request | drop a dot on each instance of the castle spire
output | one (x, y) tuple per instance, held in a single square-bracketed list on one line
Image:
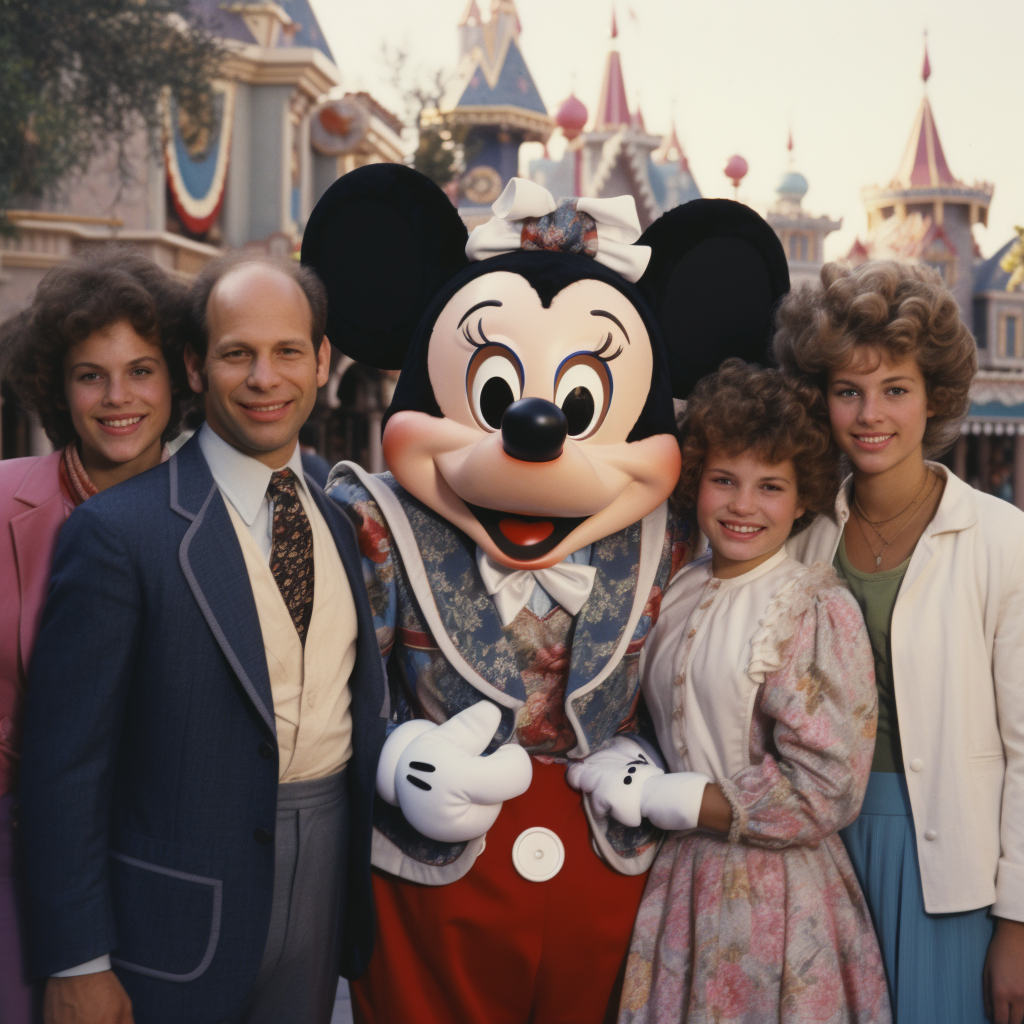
[(612, 106), (926, 67), (924, 161)]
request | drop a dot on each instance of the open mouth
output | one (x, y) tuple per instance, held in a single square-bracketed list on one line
[(524, 538)]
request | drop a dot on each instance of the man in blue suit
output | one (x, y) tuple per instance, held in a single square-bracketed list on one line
[(205, 710)]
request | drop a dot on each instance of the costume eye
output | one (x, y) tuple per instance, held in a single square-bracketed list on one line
[(583, 391), (493, 383)]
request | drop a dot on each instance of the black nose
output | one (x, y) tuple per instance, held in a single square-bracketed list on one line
[(533, 430)]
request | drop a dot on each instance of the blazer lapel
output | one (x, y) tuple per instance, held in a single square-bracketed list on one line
[(212, 562), (34, 535), (439, 559), (605, 615)]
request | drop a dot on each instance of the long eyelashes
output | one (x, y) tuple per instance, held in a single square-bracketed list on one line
[(469, 337), (599, 354)]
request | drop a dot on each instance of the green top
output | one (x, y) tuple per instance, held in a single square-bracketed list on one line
[(876, 594)]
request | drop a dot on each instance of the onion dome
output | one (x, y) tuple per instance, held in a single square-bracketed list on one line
[(736, 170), (792, 185), (571, 117)]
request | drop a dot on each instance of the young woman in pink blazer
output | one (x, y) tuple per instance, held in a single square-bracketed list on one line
[(96, 356)]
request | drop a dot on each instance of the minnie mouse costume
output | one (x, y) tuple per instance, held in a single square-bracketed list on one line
[(515, 558)]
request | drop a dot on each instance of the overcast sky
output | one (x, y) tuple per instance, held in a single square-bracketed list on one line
[(737, 75)]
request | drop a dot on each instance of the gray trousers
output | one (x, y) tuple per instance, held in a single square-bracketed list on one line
[(298, 978)]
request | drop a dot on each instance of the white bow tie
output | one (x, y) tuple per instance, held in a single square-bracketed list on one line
[(568, 583)]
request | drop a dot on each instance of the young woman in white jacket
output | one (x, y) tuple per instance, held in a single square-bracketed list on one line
[(938, 570)]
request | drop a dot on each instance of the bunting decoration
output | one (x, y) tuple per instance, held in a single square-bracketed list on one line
[(197, 173)]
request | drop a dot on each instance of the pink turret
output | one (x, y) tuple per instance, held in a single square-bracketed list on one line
[(571, 117), (612, 108)]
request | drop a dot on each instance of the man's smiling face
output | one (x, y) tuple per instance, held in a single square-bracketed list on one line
[(588, 355), (261, 372)]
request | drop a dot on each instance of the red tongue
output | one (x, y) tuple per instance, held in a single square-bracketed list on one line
[(523, 533)]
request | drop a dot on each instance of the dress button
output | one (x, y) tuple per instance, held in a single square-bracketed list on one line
[(262, 836), (538, 854), (266, 750), (931, 834), (916, 765)]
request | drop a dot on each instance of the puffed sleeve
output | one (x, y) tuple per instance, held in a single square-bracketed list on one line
[(1007, 658), (813, 733)]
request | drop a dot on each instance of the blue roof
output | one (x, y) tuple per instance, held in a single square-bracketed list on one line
[(662, 174), (309, 34), (656, 176), (989, 276), (792, 183), (514, 88), (226, 25)]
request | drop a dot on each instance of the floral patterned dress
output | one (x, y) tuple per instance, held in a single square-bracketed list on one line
[(764, 683)]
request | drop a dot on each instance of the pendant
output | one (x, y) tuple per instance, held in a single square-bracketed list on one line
[(878, 561)]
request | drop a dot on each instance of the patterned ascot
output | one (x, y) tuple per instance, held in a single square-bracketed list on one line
[(291, 557)]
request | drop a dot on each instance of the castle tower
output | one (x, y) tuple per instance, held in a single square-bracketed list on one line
[(673, 167), (617, 150), (801, 234), (495, 99), (925, 214)]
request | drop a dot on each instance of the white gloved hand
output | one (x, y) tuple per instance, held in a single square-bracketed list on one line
[(672, 802), (615, 777), (436, 775)]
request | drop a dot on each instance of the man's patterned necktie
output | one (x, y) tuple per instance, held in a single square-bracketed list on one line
[(291, 556)]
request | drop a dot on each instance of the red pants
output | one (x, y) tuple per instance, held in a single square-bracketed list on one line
[(493, 948)]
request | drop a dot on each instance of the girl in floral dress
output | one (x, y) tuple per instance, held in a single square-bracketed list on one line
[(759, 680)]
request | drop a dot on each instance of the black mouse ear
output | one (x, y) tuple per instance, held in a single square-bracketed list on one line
[(384, 239), (717, 270)]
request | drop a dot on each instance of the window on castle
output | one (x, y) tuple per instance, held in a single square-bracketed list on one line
[(1011, 336), (798, 247)]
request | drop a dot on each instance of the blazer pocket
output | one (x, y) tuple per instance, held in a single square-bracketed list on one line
[(168, 921)]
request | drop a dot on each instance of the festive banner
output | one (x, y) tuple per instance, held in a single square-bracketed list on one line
[(197, 171)]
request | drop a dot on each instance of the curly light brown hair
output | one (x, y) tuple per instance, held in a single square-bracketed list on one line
[(744, 407), (896, 309), (73, 301)]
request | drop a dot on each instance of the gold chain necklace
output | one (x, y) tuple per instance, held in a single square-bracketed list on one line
[(886, 543), (882, 522)]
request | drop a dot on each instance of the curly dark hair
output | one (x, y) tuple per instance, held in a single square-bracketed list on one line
[(73, 301), (744, 407), (898, 309)]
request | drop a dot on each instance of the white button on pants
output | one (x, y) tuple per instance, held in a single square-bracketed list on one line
[(538, 854), (931, 834), (916, 765)]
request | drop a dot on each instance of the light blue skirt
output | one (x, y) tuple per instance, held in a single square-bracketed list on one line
[(933, 961)]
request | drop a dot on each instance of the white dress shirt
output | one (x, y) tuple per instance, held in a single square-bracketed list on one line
[(243, 481)]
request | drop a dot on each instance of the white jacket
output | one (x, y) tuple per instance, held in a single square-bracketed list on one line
[(958, 674)]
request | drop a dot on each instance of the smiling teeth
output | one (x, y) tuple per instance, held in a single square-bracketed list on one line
[(121, 423), (268, 408), (743, 529), (874, 438)]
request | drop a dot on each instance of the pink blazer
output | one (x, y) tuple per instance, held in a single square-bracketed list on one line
[(33, 508)]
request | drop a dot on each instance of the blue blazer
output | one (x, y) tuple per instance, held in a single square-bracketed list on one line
[(149, 774)]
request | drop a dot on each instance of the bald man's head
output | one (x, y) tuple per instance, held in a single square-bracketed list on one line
[(265, 267)]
